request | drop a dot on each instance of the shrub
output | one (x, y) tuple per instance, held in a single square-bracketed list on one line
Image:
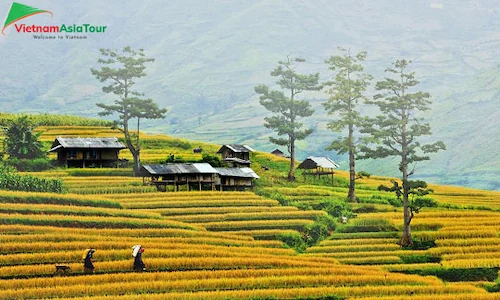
[(171, 158), (30, 165), (213, 160), (367, 225), (336, 209), (294, 241), (319, 230)]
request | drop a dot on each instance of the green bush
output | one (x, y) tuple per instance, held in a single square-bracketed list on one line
[(171, 158), (422, 245), (213, 160), (294, 241), (336, 209), (458, 274), (30, 165), (319, 230), (366, 225)]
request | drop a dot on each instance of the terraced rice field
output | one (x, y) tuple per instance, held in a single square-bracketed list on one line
[(213, 245)]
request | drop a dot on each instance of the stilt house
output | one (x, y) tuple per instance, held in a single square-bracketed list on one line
[(318, 166), (236, 155), (194, 176), (235, 178), (87, 152)]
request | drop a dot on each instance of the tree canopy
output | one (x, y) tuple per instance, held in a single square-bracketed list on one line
[(21, 140), (346, 90), (119, 72), (288, 110), (397, 130)]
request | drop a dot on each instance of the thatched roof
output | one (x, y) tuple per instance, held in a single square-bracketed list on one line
[(236, 148), (86, 143), (313, 162)]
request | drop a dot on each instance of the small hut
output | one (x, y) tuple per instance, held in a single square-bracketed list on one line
[(87, 152), (317, 166), (236, 155), (279, 153), (200, 175), (235, 178)]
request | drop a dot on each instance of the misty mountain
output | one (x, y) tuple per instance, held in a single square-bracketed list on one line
[(210, 54)]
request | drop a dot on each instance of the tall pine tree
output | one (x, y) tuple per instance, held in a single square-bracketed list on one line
[(346, 90), (120, 70), (397, 130), (288, 110)]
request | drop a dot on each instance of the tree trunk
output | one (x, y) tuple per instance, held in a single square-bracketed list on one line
[(137, 162), (291, 173), (352, 171), (406, 240)]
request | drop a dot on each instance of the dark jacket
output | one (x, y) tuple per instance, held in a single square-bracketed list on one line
[(87, 262), (138, 263)]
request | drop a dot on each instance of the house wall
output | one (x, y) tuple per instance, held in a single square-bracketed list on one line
[(227, 153)]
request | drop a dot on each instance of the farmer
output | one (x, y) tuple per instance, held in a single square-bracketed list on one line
[(139, 265), (88, 266)]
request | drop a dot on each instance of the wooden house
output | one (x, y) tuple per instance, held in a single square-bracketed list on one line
[(196, 175), (236, 155), (87, 152), (235, 178), (318, 166)]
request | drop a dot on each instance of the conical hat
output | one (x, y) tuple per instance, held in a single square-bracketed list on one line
[(135, 250)]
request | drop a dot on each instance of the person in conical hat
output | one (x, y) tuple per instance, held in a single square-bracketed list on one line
[(88, 266), (139, 265)]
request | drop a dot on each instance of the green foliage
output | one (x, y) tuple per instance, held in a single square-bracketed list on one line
[(30, 165), (213, 160), (366, 225), (417, 190), (20, 139), (121, 70), (171, 158), (336, 209), (288, 110), (457, 274), (396, 131), (419, 244), (365, 208), (363, 174), (10, 180), (319, 230), (293, 240), (346, 91)]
